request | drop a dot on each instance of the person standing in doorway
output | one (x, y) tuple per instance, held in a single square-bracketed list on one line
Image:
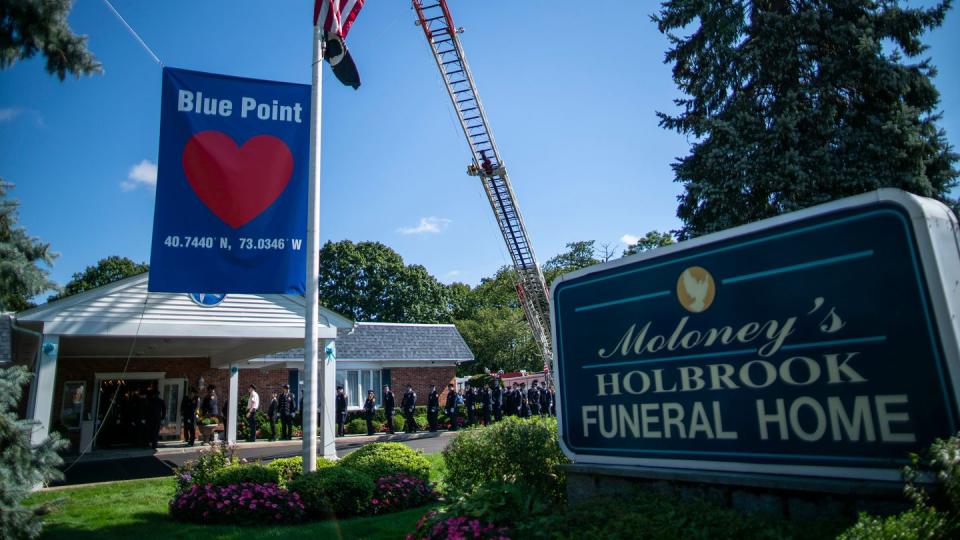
[(450, 406), (369, 409), (433, 407), (272, 410), (409, 404), (388, 405), (156, 415), (341, 410), (286, 407), (253, 405), (188, 413)]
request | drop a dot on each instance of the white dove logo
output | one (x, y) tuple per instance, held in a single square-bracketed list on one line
[(696, 289)]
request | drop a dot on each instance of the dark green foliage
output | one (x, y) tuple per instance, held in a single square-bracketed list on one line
[(254, 474), (915, 524), (793, 104), (503, 503), (31, 26), (22, 466), (22, 258), (368, 281), (578, 255), (499, 338), (524, 451), (106, 271), (651, 240), (377, 460), (356, 426), (333, 492)]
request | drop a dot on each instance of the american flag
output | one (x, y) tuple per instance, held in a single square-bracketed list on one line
[(336, 17)]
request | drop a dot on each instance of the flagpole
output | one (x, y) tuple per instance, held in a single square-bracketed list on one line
[(311, 318)]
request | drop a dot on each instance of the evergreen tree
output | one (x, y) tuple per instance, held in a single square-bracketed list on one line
[(793, 103), (21, 277), (22, 465), (31, 26)]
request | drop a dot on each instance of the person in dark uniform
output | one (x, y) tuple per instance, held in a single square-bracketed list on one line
[(450, 406), (524, 410), (188, 413), (544, 401), (409, 405), (533, 397), (483, 396), (496, 401), (341, 410), (388, 406), (272, 410), (433, 407), (517, 399), (369, 410), (140, 429), (286, 408), (468, 400), (553, 402), (156, 414)]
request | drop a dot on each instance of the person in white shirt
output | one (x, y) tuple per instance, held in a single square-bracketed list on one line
[(253, 403)]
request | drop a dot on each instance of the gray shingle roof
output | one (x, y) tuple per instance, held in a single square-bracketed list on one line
[(390, 341)]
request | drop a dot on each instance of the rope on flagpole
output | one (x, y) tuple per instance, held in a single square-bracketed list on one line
[(133, 32)]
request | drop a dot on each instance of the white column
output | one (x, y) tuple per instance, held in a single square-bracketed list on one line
[(328, 381), (311, 299), (45, 374), (232, 400)]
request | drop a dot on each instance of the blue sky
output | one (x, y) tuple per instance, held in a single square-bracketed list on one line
[(572, 106)]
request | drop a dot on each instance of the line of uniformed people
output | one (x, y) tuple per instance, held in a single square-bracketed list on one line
[(479, 405)]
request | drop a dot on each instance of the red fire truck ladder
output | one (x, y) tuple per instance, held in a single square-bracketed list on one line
[(437, 25)]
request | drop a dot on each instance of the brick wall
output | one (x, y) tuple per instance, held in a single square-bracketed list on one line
[(421, 378), (84, 369)]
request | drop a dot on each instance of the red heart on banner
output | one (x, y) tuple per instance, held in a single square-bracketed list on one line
[(237, 183)]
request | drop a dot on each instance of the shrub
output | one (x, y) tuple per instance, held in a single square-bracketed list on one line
[(333, 492), (241, 504), (399, 492), (914, 524), (516, 450), (356, 426), (377, 460), (457, 527), (925, 520), (253, 474), (289, 468), (203, 469), (422, 421)]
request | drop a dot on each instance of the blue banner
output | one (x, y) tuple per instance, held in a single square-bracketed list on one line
[(812, 342), (231, 206)]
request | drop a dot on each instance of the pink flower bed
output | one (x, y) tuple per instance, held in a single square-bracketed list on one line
[(245, 504), (457, 528), (399, 492)]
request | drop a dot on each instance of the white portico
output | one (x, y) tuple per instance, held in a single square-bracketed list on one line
[(87, 336)]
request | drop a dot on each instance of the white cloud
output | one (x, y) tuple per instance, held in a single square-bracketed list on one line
[(141, 174), (9, 113), (427, 225), (453, 274), (629, 239)]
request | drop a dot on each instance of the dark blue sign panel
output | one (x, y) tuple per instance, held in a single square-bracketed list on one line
[(813, 342), (231, 209)]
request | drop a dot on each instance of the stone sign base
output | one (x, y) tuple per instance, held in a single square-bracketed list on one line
[(796, 498)]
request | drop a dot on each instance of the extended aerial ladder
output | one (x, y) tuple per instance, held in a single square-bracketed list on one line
[(437, 24)]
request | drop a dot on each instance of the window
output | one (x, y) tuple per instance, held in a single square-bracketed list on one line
[(357, 381)]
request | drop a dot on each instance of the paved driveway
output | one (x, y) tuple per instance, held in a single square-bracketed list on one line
[(110, 465)]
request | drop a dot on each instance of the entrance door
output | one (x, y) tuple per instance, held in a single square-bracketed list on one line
[(171, 390)]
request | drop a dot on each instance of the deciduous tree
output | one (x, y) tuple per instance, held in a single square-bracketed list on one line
[(106, 271)]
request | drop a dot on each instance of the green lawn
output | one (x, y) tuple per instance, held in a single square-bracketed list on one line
[(138, 509)]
